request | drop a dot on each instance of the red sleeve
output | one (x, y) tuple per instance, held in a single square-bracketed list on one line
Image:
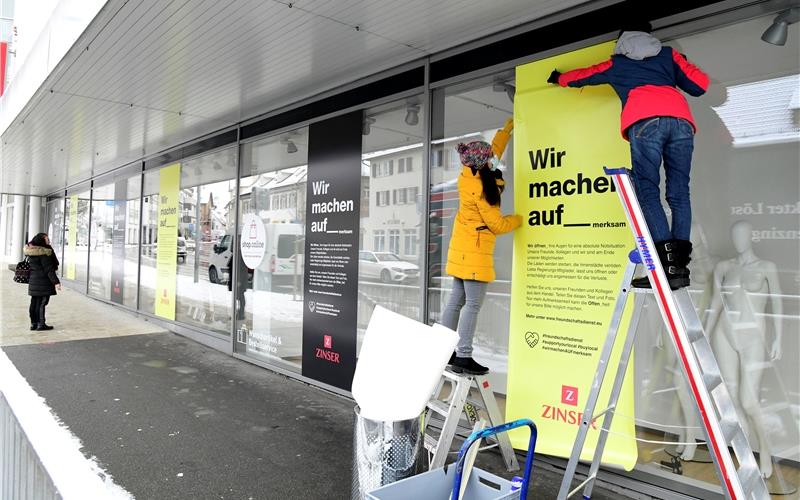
[(689, 77), (593, 75)]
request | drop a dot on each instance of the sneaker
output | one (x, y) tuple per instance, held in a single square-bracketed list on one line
[(452, 359), (43, 327), (468, 366)]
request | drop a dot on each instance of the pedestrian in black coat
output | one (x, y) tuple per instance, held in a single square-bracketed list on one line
[(43, 279)]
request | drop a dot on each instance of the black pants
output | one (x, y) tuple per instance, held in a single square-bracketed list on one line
[(37, 309)]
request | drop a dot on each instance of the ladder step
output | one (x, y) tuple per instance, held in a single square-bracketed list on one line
[(430, 443), (750, 478), (439, 407), (712, 380), (730, 428)]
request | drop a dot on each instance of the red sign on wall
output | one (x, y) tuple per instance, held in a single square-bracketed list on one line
[(3, 52)]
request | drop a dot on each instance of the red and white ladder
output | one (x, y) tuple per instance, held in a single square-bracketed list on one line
[(699, 365)]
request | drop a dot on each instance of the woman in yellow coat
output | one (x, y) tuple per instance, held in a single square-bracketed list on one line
[(470, 257)]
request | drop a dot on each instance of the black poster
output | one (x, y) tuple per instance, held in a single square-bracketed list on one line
[(333, 195), (118, 241)]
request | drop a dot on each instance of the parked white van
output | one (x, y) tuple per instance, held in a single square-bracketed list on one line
[(283, 256)]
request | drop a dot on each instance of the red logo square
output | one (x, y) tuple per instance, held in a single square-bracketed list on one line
[(569, 395), (327, 342)]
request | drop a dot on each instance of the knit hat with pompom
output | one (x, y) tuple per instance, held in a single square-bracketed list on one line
[(475, 154)]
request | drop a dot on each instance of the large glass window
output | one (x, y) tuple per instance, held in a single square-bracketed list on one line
[(114, 248), (76, 235), (54, 227), (269, 291), (745, 276), (469, 113), (206, 217), (392, 151)]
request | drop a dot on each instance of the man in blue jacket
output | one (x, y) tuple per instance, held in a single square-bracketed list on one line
[(657, 122)]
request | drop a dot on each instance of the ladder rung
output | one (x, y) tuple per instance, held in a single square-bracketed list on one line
[(750, 477), (730, 428), (439, 407), (430, 443), (712, 380)]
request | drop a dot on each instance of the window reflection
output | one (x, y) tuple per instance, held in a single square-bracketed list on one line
[(391, 211), (113, 260), (269, 289), (469, 114)]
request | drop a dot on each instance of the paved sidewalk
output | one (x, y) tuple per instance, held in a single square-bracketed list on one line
[(72, 315)]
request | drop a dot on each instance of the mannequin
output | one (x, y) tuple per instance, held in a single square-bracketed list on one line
[(746, 284)]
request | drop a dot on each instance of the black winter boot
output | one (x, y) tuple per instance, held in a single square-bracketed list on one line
[(469, 366), (674, 256)]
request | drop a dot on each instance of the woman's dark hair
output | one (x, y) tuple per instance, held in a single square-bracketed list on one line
[(39, 240), (490, 190)]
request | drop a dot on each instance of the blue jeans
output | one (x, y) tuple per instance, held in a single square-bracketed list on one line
[(462, 310), (670, 139)]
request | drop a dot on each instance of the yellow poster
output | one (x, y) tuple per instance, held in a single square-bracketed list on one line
[(72, 236), (569, 257), (167, 243)]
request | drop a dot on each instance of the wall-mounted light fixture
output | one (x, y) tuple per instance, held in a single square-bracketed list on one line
[(366, 127), (509, 89), (291, 147), (412, 114), (777, 32)]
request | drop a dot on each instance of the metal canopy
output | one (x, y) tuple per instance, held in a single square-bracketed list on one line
[(147, 75)]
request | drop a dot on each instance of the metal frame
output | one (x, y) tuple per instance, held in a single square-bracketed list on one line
[(233, 274), (426, 193)]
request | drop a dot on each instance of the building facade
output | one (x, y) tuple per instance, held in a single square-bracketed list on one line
[(103, 221)]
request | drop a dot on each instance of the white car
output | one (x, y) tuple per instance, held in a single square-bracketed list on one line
[(387, 267)]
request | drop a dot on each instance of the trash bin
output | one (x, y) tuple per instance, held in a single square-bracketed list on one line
[(384, 452)]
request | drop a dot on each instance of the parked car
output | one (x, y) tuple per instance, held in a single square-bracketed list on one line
[(387, 267), (181, 249), (218, 271)]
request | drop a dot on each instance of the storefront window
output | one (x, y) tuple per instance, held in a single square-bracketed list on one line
[(745, 286), (470, 113), (206, 209), (269, 291), (55, 227), (149, 237), (392, 159), (114, 248), (76, 236)]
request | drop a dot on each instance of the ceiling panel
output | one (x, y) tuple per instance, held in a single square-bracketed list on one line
[(158, 73)]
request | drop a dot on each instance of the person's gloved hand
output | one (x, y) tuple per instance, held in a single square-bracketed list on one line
[(553, 78)]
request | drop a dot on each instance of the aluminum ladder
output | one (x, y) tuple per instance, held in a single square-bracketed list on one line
[(696, 358), (456, 405)]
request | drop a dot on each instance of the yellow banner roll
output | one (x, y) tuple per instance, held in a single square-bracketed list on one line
[(569, 257)]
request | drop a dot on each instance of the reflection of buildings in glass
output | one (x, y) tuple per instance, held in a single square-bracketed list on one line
[(392, 222), (278, 196)]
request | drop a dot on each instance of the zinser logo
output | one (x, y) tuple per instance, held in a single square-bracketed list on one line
[(645, 253), (569, 395), (325, 351), (573, 417)]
